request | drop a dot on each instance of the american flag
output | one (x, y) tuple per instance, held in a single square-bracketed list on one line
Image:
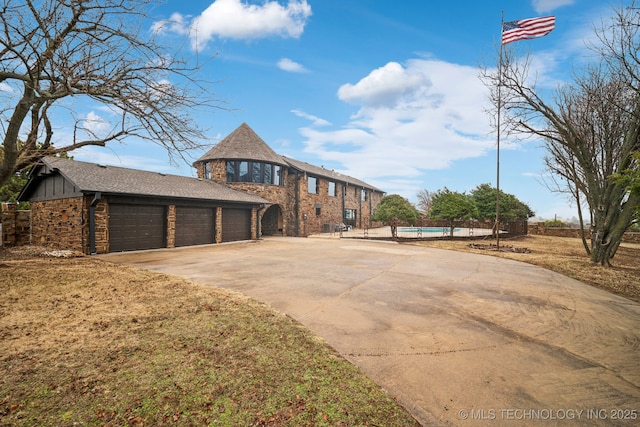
[(525, 29)]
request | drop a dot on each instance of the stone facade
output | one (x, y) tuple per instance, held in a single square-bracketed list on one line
[(59, 223), (171, 226), (16, 225), (304, 212), (101, 224)]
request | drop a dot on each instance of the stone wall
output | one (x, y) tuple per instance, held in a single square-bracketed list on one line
[(303, 220), (101, 231), (16, 225), (59, 224), (275, 194), (171, 226), (542, 230)]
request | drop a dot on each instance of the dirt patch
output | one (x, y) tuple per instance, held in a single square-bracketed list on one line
[(502, 248)]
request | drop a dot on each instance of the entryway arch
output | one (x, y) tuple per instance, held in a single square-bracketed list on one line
[(272, 223)]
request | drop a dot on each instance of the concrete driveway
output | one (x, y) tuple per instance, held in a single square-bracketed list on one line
[(458, 339)]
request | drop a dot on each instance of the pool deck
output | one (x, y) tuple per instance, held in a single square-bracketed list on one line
[(385, 233)]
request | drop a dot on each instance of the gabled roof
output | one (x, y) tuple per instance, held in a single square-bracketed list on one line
[(242, 144), (326, 173), (92, 177)]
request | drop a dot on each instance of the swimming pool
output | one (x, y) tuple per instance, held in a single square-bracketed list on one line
[(426, 229)]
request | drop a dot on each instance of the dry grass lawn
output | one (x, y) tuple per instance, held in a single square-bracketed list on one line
[(85, 342), (566, 256)]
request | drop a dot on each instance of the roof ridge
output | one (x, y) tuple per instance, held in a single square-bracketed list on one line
[(242, 144)]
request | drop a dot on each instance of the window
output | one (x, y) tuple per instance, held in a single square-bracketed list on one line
[(243, 172), (318, 211), (332, 189), (277, 175), (313, 184), (231, 171), (268, 173), (207, 170), (350, 214), (364, 195), (256, 172)]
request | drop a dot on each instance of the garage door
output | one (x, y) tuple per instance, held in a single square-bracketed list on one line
[(194, 226), (236, 224), (136, 227)]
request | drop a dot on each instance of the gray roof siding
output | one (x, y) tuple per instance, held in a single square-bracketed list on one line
[(243, 144), (326, 173), (91, 177)]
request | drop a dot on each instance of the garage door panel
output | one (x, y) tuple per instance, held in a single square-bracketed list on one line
[(194, 226), (236, 224), (136, 227)]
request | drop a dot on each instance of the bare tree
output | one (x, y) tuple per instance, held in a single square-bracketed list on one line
[(55, 53), (425, 200), (591, 129)]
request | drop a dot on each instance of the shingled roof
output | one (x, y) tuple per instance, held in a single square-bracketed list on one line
[(243, 144), (326, 173), (92, 177)]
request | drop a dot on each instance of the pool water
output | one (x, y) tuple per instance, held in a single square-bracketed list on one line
[(426, 229)]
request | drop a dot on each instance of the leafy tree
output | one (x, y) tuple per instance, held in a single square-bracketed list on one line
[(452, 206), (554, 223), (631, 179), (394, 210), (590, 128), (511, 208), (55, 55), (11, 189)]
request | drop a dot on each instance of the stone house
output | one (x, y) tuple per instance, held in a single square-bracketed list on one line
[(243, 190), (304, 199)]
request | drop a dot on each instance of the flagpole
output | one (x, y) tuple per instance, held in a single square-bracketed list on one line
[(498, 139)]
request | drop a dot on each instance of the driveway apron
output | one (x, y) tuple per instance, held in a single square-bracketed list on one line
[(456, 338)]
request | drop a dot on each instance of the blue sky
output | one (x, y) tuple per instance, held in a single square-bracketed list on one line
[(384, 91)]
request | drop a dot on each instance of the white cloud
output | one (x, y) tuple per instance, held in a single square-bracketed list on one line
[(237, 20), (421, 116), (95, 126), (177, 23), (316, 121), (384, 85), (542, 6), (287, 64)]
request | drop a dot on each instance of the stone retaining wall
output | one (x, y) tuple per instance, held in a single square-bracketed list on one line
[(542, 230)]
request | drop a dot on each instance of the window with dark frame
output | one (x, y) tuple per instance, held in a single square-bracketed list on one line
[(255, 172), (350, 214), (312, 182), (332, 189)]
